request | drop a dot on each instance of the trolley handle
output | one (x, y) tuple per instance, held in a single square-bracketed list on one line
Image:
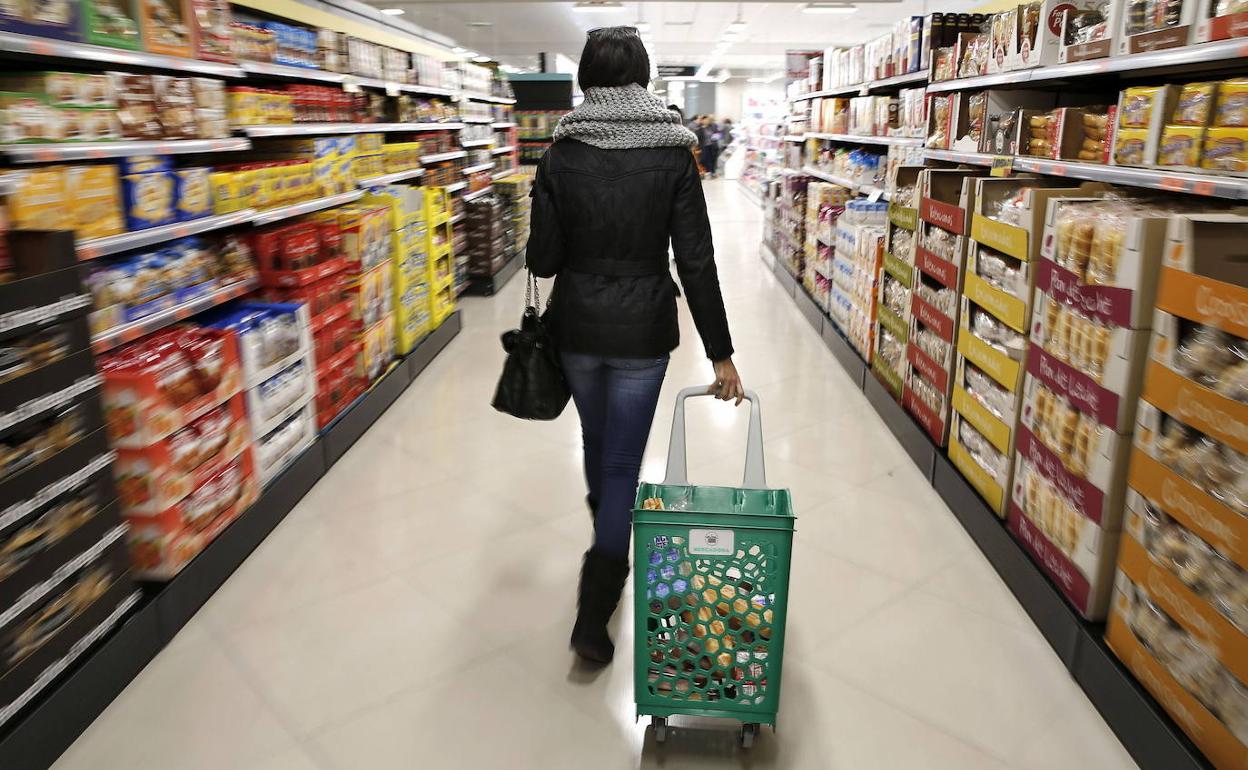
[(677, 464)]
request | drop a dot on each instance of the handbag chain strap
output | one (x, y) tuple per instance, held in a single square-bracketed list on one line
[(532, 292)]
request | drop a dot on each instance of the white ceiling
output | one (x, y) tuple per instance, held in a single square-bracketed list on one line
[(684, 32)]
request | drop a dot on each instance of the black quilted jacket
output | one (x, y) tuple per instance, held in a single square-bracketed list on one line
[(601, 223)]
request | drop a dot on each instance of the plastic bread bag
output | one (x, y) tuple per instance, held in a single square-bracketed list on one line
[(990, 330), (1227, 478), (983, 453), (1174, 439), (940, 242), (1011, 210), (1075, 230), (926, 392), (902, 243), (1191, 560), (942, 298), (977, 113), (1109, 234), (1002, 271), (891, 350), (931, 344), (974, 57), (1154, 525), (986, 391), (1231, 706), (896, 296), (940, 107), (1231, 592), (1204, 354)]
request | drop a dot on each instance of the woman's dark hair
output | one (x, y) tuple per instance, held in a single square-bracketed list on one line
[(678, 111), (613, 56)]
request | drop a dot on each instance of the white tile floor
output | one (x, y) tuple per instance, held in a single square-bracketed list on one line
[(413, 610)]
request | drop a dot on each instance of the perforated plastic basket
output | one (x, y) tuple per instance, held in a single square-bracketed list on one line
[(711, 579)]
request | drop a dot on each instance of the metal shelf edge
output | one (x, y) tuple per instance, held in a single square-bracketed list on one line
[(114, 244), (305, 207)]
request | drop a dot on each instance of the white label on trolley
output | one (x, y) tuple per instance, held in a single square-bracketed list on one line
[(712, 542)]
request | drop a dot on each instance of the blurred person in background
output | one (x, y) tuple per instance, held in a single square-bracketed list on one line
[(709, 138), (616, 187)]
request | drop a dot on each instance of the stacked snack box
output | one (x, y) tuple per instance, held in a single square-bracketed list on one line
[(408, 262), (366, 239), (825, 202), (1006, 228), (1179, 616), (441, 258), (944, 198), (303, 262), (275, 349), (1094, 292), (860, 234), (177, 420), (64, 570), (489, 233), (893, 307), (513, 190)]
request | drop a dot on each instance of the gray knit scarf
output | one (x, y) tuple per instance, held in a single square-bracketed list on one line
[(623, 118)]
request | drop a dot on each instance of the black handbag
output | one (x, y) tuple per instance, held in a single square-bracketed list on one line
[(532, 385)]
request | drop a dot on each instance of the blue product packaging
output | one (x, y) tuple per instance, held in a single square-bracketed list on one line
[(148, 200)]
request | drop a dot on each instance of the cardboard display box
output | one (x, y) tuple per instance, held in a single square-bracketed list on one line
[(1075, 552)]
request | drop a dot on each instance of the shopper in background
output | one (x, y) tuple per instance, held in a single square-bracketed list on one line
[(709, 138), (617, 185)]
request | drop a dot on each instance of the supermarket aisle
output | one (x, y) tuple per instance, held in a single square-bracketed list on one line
[(413, 611)]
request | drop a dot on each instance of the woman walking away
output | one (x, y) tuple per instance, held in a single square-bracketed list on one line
[(617, 185)]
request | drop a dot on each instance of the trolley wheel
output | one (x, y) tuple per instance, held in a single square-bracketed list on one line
[(748, 733), (660, 728)]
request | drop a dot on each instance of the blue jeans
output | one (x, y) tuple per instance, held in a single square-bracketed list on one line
[(615, 398)]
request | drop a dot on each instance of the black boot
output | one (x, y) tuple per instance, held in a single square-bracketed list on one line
[(602, 580)]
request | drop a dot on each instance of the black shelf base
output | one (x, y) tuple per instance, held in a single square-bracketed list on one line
[(489, 285), (1154, 741), (70, 705)]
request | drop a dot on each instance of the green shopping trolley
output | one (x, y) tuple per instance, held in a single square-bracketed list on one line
[(711, 574)]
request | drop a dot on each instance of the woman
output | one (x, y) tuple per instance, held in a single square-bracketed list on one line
[(617, 185)]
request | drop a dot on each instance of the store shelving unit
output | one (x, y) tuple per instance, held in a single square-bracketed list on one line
[(456, 187), (13, 45), (909, 79), (102, 671), (270, 216), (864, 189), (286, 72), (503, 150), (52, 153), (471, 196), (397, 176), (1211, 185), (132, 331), (475, 119), (503, 124), (322, 129), (504, 174), (900, 141), (477, 142), (1207, 57), (1151, 737), (115, 244), (437, 157), (477, 168)]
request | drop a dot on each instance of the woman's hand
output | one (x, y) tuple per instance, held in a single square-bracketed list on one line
[(727, 385)]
